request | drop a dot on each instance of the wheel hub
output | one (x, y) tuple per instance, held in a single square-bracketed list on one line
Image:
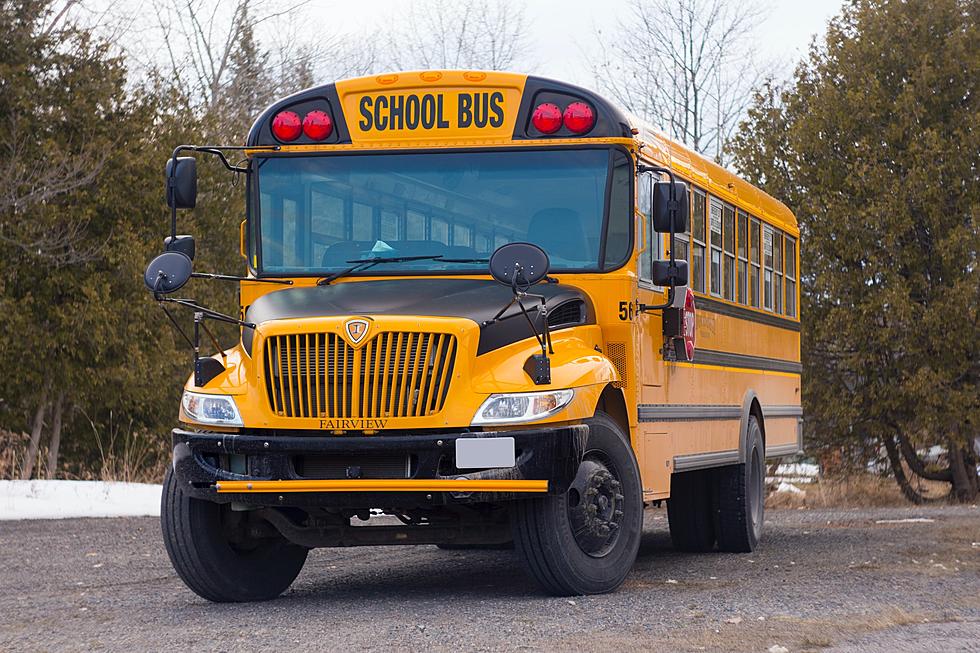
[(595, 507)]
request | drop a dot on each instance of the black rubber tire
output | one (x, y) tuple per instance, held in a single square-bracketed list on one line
[(209, 565), (690, 511), (543, 533), (741, 496)]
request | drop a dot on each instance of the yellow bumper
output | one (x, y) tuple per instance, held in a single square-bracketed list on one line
[(383, 485)]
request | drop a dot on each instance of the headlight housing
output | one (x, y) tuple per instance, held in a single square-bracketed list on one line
[(219, 410), (518, 407)]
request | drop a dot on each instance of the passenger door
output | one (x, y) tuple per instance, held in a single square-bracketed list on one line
[(650, 332)]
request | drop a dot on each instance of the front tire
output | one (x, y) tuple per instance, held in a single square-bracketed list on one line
[(216, 566), (741, 496), (585, 540)]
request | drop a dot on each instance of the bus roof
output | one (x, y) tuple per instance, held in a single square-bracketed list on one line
[(715, 179)]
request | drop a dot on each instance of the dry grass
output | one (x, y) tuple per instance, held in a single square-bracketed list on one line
[(123, 455), (12, 449), (796, 633), (851, 491)]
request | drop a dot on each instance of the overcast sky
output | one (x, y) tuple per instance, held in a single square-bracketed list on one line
[(563, 30)]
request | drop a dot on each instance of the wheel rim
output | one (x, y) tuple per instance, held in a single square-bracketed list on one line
[(595, 506), (755, 490)]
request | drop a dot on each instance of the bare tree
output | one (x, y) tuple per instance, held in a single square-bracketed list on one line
[(687, 65), (490, 34)]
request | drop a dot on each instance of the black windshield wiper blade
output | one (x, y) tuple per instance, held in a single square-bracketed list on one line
[(463, 260), (364, 264)]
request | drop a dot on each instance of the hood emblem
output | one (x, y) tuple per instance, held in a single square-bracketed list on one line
[(356, 330)]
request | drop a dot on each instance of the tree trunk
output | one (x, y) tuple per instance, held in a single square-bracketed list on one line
[(36, 425), (895, 459), (59, 407), (964, 478)]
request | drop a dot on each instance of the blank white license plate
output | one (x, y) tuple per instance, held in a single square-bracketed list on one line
[(472, 453)]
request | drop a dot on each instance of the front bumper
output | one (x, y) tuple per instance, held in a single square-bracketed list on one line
[(267, 474)]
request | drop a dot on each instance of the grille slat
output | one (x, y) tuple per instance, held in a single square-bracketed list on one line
[(395, 374)]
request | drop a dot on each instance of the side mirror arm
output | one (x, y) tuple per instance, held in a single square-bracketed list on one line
[(216, 150)]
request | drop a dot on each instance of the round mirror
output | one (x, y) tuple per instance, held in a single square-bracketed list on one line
[(168, 272), (519, 264)]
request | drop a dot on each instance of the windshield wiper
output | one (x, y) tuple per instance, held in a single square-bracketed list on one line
[(364, 264)]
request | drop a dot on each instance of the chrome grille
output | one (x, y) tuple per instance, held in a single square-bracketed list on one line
[(395, 374)]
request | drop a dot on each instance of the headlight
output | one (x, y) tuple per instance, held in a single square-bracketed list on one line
[(522, 406), (211, 409)]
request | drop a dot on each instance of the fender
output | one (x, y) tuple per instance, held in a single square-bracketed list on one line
[(743, 430)]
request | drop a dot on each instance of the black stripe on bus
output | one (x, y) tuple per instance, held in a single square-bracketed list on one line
[(706, 412), (721, 308), (728, 359)]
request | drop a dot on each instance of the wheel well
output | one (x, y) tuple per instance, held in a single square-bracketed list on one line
[(756, 410), (612, 403)]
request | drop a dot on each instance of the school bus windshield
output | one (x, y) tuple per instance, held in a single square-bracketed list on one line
[(318, 213)]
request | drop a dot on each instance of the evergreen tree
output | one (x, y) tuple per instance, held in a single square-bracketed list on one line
[(875, 145)]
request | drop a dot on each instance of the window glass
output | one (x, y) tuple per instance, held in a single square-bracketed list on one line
[(680, 248), (363, 226), (728, 270), (315, 213), (697, 267), (618, 241), (698, 242), (715, 224), (755, 270), (790, 277), (645, 225), (743, 222), (390, 226), (767, 259), (715, 212), (440, 231), (414, 226), (461, 235), (697, 216)]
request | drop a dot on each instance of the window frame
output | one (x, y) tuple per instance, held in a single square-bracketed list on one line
[(712, 248), (601, 266)]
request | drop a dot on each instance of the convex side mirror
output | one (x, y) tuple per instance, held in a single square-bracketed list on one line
[(167, 273), (519, 265), (182, 182), (661, 205)]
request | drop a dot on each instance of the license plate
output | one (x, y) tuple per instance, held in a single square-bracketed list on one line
[(475, 453)]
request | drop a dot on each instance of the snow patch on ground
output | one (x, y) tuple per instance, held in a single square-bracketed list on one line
[(64, 499), (790, 488)]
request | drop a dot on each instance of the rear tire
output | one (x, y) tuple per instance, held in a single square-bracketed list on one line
[(690, 512), (585, 540), (210, 564), (741, 496)]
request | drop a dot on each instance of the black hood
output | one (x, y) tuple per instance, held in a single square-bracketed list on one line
[(474, 299)]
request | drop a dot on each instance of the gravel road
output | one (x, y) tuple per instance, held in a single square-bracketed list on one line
[(837, 580)]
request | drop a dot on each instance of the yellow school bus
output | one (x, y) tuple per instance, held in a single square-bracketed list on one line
[(479, 309)]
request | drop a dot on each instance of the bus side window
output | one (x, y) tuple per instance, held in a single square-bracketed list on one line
[(790, 277), (743, 257), (777, 264), (755, 273), (767, 238), (647, 256), (414, 225), (698, 241), (728, 236), (716, 212)]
